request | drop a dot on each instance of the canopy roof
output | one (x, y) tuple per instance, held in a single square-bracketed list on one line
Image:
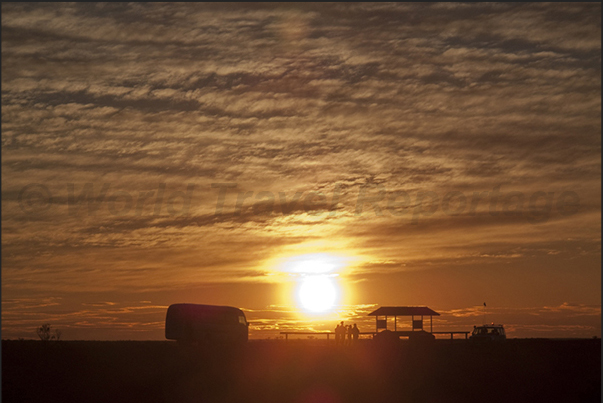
[(404, 311)]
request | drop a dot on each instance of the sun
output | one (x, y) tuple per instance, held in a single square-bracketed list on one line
[(317, 293), (316, 285)]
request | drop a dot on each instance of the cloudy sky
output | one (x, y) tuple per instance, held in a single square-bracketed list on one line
[(444, 155)]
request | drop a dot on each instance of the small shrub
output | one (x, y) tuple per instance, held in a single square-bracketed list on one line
[(45, 333)]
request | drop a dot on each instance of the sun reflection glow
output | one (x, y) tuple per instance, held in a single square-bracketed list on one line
[(316, 276), (317, 293), (316, 263)]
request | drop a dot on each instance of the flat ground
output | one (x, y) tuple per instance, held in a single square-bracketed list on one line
[(528, 370)]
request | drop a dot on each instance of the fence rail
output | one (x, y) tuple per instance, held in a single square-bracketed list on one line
[(318, 333), (328, 334), (452, 334)]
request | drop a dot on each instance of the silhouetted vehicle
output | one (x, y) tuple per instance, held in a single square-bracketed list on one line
[(207, 324), (388, 337), (421, 337), (488, 333)]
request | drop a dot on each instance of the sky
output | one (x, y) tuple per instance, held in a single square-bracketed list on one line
[(444, 155)]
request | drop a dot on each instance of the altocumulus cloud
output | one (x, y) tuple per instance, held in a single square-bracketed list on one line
[(324, 98)]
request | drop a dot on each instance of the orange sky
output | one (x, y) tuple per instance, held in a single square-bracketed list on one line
[(444, 155)]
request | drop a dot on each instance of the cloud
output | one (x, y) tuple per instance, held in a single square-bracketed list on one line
[(285, 99)]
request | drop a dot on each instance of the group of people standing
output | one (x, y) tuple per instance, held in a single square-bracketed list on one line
[(341, 331)]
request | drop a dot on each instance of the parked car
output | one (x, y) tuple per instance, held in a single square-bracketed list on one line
[(488, 333), (207, 324)]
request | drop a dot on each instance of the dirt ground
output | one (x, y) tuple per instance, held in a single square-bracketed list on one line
[(520, 370)]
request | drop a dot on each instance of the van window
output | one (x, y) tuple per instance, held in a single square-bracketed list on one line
[(242, 320)]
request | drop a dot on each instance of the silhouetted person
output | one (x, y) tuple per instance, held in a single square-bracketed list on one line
[(349, 332), (340, 334), (495, 332), (344, 331), (355, 333)]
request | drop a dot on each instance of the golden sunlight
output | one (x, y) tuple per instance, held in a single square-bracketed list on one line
[(317, 293), (316, 287)]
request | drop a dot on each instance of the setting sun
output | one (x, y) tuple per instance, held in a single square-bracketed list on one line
[(317, 293), (317, 286), (339, 201)]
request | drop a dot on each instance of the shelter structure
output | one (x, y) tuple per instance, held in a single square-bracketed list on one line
[(415, 312)]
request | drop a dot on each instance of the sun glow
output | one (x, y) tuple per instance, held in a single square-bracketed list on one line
[(317, 263), (317, 293), (316, 276)]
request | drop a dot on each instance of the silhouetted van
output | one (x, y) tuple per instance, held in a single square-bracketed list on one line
[(212, 324)]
